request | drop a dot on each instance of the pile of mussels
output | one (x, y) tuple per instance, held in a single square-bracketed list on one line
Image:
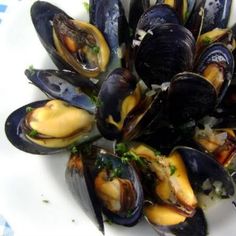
[(145, 99)]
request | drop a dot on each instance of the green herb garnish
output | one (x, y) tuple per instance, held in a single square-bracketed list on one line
[(74, 150), (172, 169), (207, 40), (96, 49), (157, 153), (33, 133), (29, 109), (31, 70), (86, 6), (116, 172), (109, 221), (129, 213), (121, 148)]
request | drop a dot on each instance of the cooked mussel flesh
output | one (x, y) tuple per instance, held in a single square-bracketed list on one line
[(171, 183), (81, 44), (49, 126), (72, 44), (113, 186)]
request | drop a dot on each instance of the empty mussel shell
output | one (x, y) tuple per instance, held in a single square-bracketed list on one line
[(65, 85)]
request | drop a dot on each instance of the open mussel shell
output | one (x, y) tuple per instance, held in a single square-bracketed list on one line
[(42, 14), (15, 133), (216, 14), (22, 133), (118, 95), (155, 15), (227, 107), (136, 9), (72, 44), (85, 177), (182, 8), (195, 20), (202, 167), (109, 17), (192, 226), (216, 64), (65, 85), (78, 178), (190, 97), (164, 51)]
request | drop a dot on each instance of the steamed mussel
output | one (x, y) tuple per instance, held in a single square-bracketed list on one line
[(48, 126), (112, 185), (138, 138), (72, 44)]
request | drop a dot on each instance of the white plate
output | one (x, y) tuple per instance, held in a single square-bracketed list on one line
[(26, 180)]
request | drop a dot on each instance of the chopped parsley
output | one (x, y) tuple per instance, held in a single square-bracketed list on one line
[(96, 49), (29, 109), (128, 156), (116, 172), (33, 133), (129, 213), (207, 40), (172, 169), (95, 100), (109, 221), (86, 6), (45, 201), (121, 148), (157, 153), (74, 150), (31, 70)]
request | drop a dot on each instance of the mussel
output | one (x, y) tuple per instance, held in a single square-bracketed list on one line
[(113, 186), (49, 126), (216, 64), (118, 96), (177, 212), (72, 44)]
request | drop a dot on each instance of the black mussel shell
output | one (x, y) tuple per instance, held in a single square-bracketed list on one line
[(109, 17), (146, 117), (216, 14), (195, 20), (182, 8), (190, 97), (155, 15), (192, 226), (42, 14), (119, 84), (165, 51), (136, 9), (67, 86), (201, 167), (15, 134), (79, 179), (219, 55)]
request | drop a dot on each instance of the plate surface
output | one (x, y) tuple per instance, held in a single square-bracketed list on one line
[(34, 197)]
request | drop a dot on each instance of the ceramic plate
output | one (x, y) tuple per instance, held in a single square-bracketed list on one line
[(34, 198)]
